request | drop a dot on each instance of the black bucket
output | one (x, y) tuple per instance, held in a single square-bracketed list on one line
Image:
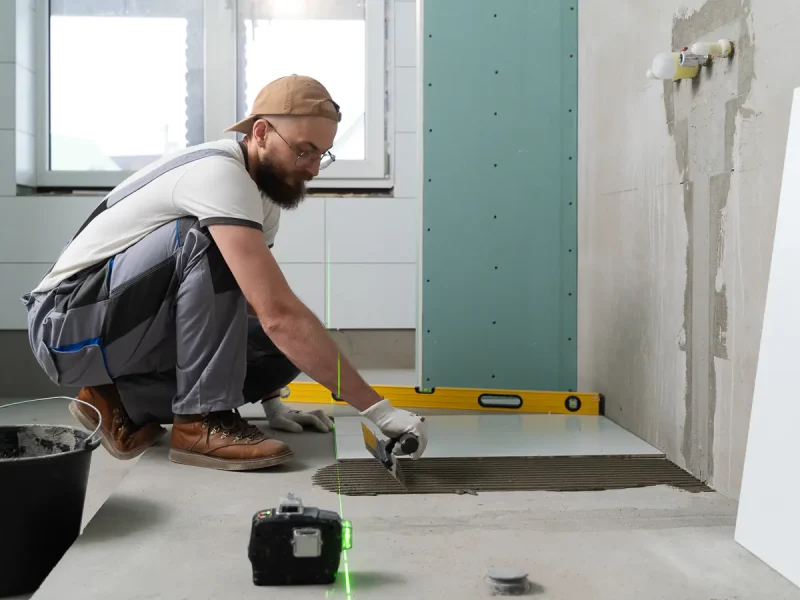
[(44, 470)]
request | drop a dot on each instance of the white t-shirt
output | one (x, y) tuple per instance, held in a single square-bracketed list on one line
[(215, 189)]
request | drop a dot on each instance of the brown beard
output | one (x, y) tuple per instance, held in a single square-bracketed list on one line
[(272, 181)]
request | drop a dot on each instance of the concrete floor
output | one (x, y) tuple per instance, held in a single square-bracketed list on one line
[(144, 518)]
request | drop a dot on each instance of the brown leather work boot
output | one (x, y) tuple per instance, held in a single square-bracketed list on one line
[(119, 435), (225, 441)]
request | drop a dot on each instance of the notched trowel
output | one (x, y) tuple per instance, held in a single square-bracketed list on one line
[(382, 450)]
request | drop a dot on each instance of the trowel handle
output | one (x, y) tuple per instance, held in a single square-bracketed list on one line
[(408, 443)]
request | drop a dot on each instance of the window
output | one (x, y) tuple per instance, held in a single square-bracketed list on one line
[(121, 83), (128, 81)]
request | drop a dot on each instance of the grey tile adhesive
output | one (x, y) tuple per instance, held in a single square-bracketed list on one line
[(504, 474)]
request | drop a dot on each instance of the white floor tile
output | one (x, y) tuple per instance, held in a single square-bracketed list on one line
[(492, 435)]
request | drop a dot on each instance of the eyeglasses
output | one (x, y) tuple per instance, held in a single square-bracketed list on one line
[(307, 158)]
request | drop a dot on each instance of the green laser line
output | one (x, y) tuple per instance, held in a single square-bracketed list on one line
[(344, 552), (338, 395), (341, 514)]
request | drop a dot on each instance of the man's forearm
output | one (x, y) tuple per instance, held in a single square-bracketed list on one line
[(305, 341)]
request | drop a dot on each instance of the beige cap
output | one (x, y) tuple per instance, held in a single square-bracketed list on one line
[(290, 95)]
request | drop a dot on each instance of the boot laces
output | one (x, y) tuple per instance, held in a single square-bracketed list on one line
[(231, 423), (124, 422)]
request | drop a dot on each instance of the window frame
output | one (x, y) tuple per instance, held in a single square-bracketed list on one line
[(220, 98)]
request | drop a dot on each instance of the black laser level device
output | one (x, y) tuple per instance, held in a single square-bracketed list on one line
[(297, 545)]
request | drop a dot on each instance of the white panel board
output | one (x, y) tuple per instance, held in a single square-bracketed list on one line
[(768, 523), (492, 435)]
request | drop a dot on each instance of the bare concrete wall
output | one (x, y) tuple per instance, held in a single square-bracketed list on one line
[(678, 193)]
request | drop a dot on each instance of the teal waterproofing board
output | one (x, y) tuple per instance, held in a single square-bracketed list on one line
[(499, 194)]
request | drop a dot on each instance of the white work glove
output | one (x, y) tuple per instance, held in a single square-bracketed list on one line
[(281, 417), (394, 422)]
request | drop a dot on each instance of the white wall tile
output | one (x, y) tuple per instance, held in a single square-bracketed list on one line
[(308, 283), (17, 279), (8, 30), (25, 43), (405, 34), (405, 99), (25, 100), (26, 159), (372, 230), (373, 296), (301, 236), (406, 181), (8, 162), (7, 95), (54, 219)]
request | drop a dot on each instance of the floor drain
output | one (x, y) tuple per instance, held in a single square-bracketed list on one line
[(507, 582)]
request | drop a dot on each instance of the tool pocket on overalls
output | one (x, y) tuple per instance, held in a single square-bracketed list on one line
[(82, 364)]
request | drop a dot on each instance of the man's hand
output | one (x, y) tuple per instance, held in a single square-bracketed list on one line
[(281, 417), (394, 422)]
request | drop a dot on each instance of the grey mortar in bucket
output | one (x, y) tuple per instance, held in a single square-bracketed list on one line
[(45, 471)]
